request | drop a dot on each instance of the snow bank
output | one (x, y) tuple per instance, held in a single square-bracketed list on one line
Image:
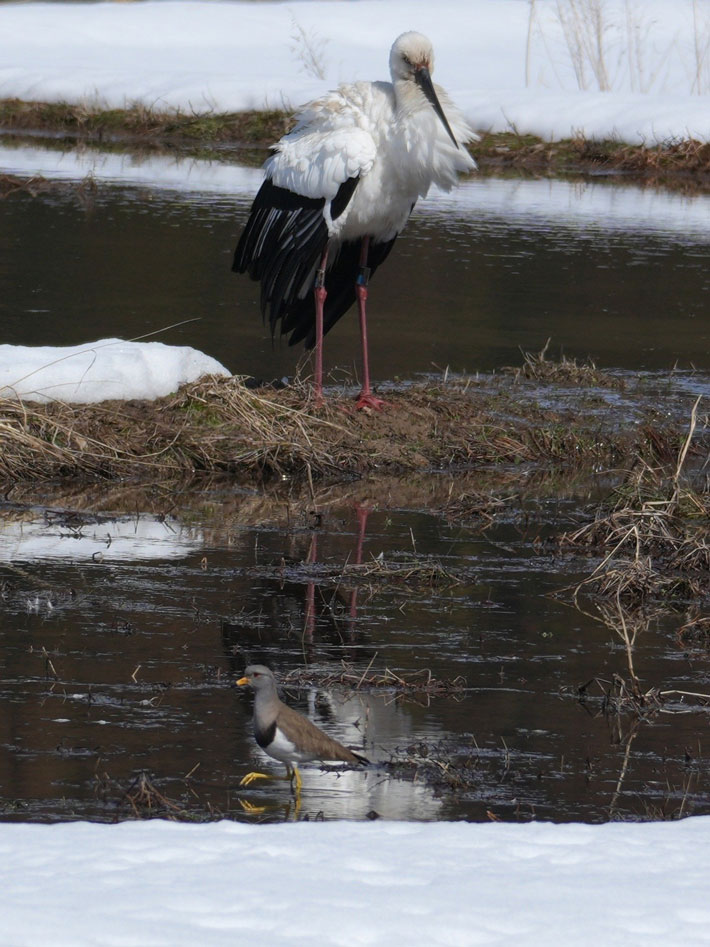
[(507, 63), (98, 371), (161, 884)]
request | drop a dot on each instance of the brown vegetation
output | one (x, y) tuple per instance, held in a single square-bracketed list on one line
[(655, 538), (679, 164), (567, 371), (219, 425), (417, 685)]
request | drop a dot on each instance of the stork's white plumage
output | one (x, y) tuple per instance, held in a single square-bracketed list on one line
[(338, 190)]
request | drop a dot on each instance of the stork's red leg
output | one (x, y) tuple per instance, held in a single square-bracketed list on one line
[(365, 399), (320, 293)]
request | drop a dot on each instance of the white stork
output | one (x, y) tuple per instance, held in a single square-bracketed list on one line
[(338, 190)]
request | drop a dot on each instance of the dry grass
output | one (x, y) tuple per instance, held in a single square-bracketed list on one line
[(683, 165), (406, 570), (213, 425), (414, 684), (688, 157), (624, 693), (655, 538), (655, 549), (13, 184), (141, 799), (420, 574), (695, 631), (478, 507), (221, 426), (142, 125), (565, 371)]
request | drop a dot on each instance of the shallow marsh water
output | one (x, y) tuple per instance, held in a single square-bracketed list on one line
[(122, 640), (612, 272), (121, 637)]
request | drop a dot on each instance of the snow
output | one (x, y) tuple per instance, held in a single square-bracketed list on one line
[(161, 884), (98, 371), (510, 64)]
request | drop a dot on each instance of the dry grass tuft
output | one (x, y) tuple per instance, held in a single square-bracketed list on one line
[(566, 371), (655, 539), (689, 156), (626, 694), (478, 507), (407, 570), (213, 425), (411, 685)]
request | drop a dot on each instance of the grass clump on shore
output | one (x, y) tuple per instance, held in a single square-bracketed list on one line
[(220, 426), (655, 539), (218, 135), (565, 371), (144, 124)]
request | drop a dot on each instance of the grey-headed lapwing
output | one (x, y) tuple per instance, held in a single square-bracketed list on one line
[(285, 734)]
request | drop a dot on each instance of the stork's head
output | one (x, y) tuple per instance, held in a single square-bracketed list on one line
[(412, 60), (409, 52)]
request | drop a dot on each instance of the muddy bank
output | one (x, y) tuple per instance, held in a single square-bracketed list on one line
[(244, 136), (222, 426)]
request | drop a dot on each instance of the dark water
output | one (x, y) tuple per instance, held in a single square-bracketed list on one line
[(121, 637), (121, 642), (498, 267)]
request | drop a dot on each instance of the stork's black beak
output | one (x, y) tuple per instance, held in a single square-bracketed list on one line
[(423, 79)]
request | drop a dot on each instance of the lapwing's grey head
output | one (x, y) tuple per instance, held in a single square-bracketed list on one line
[(258, 676), (412, 62)]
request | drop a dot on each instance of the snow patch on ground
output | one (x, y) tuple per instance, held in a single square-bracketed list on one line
[(161, 884), (99, 371), (509, 64)]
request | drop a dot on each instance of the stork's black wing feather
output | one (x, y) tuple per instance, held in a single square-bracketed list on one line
[(282, 244)]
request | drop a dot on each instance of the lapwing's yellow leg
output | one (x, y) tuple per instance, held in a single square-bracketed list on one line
[(252, 777), (294, 776), (252, 810)]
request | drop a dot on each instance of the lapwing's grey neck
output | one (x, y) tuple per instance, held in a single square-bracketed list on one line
[(266, 702)]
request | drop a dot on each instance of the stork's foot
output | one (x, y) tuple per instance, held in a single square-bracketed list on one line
[(252, 777), (317, 399), (366, 401)]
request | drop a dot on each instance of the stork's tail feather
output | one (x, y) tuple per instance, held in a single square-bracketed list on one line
[(281, 246)]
